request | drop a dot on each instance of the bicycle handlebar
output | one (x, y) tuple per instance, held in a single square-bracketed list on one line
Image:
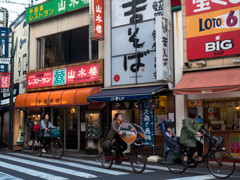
[(204, 131)]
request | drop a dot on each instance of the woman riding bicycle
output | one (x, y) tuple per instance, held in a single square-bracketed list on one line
[(45, 125), (114, 135), (187, 137)]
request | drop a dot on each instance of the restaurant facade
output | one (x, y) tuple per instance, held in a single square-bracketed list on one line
[(65, 66)]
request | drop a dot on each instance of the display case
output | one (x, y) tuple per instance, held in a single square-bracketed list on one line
[(92, 124)]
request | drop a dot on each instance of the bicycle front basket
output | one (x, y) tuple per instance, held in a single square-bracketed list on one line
[(56, 133), (217, 142)]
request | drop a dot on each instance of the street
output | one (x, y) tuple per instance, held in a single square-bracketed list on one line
[(17, 166)]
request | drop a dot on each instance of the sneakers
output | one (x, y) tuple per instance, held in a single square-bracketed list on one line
[(43, 150)]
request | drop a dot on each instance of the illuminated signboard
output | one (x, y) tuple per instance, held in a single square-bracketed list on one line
[(53, 8), (97, 19), (212, 28), (74, 75)]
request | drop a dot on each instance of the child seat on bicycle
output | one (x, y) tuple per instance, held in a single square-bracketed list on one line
[(170, 139)]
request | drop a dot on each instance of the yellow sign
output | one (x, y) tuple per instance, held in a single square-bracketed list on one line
[(194, 103), (212, 23)]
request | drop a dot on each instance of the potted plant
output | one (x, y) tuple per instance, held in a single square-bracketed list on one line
[(91, 150)]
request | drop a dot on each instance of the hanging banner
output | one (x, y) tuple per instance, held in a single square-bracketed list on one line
[(96, 19), (5, 80), (162, 46), (146, 121)]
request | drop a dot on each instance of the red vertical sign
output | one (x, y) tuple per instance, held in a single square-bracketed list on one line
[(5, 80), (98, 19)]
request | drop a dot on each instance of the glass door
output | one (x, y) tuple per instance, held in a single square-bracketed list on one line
[(72, 132)]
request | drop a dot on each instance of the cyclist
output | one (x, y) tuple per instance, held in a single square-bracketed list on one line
[(187, 138), (115, 135), (45, 125)]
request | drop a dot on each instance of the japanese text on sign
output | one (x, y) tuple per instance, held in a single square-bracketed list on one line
[(5, 80), (134, 40), (146, 121), (53, 8), (70, 75)]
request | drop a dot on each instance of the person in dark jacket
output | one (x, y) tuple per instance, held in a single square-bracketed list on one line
[(188, 135), (115, 135)]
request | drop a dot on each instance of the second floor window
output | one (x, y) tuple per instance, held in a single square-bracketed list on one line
[(65, 48)]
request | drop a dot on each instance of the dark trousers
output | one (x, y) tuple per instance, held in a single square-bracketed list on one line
[(198, 148), (46, 143), (120, 146)]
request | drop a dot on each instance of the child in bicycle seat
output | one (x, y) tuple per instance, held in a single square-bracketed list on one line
[(36, 128), (170, 133)]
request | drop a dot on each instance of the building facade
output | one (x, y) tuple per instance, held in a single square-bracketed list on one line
[(65, 66), (211, 69), (138, 66)]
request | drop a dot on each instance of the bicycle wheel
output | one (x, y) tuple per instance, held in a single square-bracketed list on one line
[(106, 163), (138, 162), (221, 164), (57, 149), (174, 163), (37, 148)]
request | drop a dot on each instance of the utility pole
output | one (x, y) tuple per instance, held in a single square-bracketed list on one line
[(11, 95)]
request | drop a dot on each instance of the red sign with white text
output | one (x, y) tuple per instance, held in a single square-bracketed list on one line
[(83, 74), (213, 45), (39, 79), (5, 80), (213, 28), (194, 7), (98, 19), (74, 75)]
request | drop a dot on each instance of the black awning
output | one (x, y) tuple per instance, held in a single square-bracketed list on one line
[(125, 94)]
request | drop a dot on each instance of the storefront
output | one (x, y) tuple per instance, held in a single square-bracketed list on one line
[(145, 106), (216, 94), (64, 97)]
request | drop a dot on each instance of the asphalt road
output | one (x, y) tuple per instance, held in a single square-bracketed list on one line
[(18, 166)]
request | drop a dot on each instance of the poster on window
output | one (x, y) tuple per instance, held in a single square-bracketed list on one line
[(235, 144), (146, 121), (212, 28)]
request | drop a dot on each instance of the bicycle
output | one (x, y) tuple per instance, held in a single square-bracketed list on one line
[(55, 145), (138, 161), (219, 162)]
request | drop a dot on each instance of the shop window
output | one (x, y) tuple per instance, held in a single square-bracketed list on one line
[(66, 48)]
